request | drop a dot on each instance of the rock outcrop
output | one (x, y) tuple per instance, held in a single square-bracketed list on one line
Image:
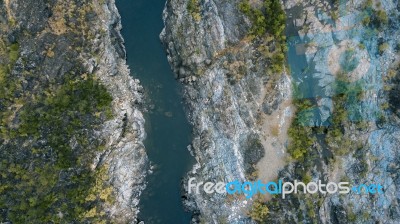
[(241, 112), (125, 133), (230, 93), (358, 39), (71, 115)]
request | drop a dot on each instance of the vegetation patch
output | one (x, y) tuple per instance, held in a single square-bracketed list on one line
[(300, 133), (52, 180), (194, 9), (372, 17), (259, 211), (269, 23), (47, 148), (392, 89)]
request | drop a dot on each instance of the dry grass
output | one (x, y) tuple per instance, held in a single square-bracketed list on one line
[(275, 130), (57, 21), (9, 13)]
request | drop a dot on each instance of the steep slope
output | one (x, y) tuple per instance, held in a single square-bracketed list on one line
[(352, 55), (335, 124), (231, 91), (71, 126)]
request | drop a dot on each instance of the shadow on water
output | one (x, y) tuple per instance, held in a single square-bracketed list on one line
[(168, 131)]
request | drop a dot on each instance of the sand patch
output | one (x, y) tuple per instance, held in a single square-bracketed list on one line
[(274, 139)]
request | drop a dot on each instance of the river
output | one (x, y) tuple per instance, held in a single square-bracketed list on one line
[(168, 131)]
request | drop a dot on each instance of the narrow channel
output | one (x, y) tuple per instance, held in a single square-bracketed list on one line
[(168, 131)]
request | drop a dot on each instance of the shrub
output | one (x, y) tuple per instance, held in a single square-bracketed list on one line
[(300, 134), (367, 4), (259, 212), (245, 7), (382, 17), (335, 15), (13, 52), (272, 21), (35, 173), (383, 47), (194, 9), (373, 17), (366, 20)]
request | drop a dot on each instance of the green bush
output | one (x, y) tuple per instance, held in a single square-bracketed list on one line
[(374, 18), (383, 47), (53, 178), (276, 17), (13, 53), (194, 9), (245, 7), (8, 85), (3, 73), (382, 17), (300, 134), (259, 212), (367, 4), (271, 22)]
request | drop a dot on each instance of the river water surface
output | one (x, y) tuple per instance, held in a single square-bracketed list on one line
[(168, 131)]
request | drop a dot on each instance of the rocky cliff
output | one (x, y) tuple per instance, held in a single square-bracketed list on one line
[(333, 119), (71, 125), (352, 45), (231, 93)]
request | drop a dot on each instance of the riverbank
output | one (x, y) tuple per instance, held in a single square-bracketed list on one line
[(231, 95), (167, 128), (72, 148)]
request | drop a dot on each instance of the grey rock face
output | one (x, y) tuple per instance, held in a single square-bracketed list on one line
[(124, 134), (230, 97), (376, 161), (227, 91)]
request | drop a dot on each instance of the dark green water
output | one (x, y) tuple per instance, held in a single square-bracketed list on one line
[(168, 131)]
